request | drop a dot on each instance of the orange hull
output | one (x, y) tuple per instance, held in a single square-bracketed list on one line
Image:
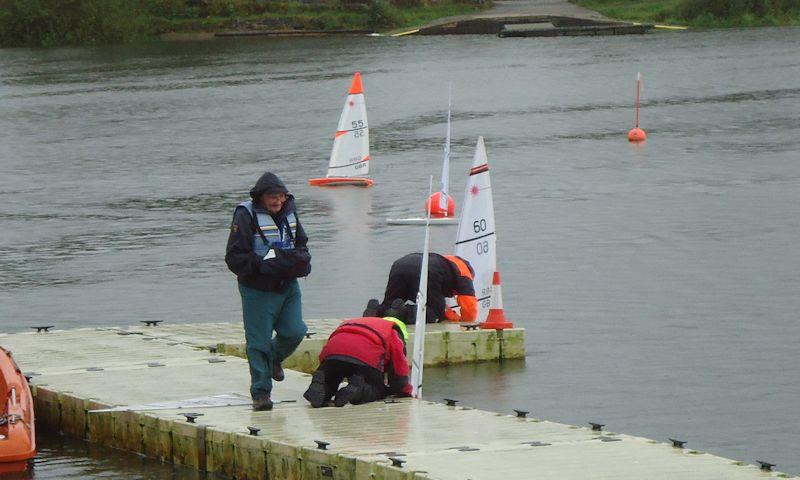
[(17, 432), (341, 181)]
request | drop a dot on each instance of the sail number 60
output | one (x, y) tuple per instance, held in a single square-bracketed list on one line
[(479, 225), (482, 247)]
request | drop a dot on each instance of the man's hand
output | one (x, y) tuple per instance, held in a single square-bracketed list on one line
[(451, 316)]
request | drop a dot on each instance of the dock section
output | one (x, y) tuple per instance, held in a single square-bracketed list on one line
[(78, 371), (445, 343)]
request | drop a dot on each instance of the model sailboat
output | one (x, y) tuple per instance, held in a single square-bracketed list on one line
[(476, 241), (349, 162), (440, 205)]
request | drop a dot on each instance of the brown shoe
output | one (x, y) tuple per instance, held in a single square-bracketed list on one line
[(277, 372), (261, 404)]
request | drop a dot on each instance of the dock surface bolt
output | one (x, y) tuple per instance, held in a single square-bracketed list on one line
[(322, 445), (677, 443), (191, 417), (766, 466)]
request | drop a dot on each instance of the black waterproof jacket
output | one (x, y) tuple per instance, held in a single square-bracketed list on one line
[(444, 280), (251, 269)]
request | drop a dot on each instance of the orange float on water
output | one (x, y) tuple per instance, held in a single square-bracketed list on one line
[(637, 134), (434, 205), (17, 432)]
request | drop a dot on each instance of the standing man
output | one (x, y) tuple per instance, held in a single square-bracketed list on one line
[(448, 276), (267, 252)]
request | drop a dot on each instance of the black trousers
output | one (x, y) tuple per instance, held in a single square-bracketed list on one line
[(405, 287), (337, 370)]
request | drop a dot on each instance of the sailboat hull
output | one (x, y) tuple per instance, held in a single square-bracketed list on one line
[(421, 221), (341, 182)]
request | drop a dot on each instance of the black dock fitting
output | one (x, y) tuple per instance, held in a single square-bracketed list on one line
[(537, 444), (95, 369), (253, 431), (308, 334), (597, 426), (677, 443), (212, 349), (471, 326), (322, 445), (766, 466), (191, 417), (397, 462), (156, 364), (151, 323), (521, 413), (43, 328), (451, 402)]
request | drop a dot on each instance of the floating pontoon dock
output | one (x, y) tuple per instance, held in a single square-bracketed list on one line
[(76, 371)]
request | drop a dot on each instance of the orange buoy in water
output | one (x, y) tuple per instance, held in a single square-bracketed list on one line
[(637, 134), (434, 205)]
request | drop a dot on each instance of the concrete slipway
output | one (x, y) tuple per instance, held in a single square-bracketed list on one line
[(80, 370)]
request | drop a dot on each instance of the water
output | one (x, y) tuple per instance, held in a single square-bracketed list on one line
[(658, 284)]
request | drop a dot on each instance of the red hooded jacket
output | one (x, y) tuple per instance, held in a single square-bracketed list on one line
[(374, 342)]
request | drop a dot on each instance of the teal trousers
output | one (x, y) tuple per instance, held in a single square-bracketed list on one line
[(265, 312)]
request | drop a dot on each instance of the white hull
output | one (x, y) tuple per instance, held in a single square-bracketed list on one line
[(421, 221)]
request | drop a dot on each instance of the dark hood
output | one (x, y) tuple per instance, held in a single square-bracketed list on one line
[(268, 183)]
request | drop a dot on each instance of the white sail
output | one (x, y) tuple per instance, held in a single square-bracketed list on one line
[(418, 357), (350, 153), (476, 239), (446, 164)]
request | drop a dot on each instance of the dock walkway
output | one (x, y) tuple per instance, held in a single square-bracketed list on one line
[(76, 371)]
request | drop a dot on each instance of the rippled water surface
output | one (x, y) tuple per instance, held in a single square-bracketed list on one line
[(658, 284)]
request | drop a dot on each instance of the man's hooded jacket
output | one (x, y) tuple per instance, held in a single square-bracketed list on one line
[(251, 269)]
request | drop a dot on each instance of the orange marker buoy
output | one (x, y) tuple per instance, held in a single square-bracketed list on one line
[(433, 204), (637, 134), (496, 319)]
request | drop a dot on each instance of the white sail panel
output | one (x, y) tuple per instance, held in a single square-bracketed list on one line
[(476, 240), (350, 153)]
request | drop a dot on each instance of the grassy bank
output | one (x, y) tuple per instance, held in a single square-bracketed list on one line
[(701, 13), (71, 22)]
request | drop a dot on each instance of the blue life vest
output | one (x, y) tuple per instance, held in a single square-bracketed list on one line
[(277, 236)]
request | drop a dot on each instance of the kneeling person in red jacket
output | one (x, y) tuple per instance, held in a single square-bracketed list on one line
[(368, 351)]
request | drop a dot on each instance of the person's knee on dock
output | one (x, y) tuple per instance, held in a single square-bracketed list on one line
[(370, 352)]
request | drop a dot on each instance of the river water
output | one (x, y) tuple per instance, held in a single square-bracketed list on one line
[(658, 284)]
